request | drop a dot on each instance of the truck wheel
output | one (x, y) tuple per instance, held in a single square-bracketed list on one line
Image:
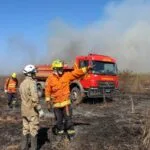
[(76, 97), (40, 90)]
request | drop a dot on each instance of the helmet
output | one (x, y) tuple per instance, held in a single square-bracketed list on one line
[(57, 64), (14, 75), (29, 69)]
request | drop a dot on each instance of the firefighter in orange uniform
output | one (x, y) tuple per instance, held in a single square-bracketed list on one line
[(10, 88), (57, 93)]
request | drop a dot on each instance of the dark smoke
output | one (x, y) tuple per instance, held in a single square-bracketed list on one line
[(123, 34)]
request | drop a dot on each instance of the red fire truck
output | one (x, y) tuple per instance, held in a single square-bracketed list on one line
[(101, 80)]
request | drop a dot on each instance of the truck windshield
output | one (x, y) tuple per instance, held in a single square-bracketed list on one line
[(106, 68)]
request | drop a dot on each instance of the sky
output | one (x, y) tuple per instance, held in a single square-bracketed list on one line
[(37, 31)]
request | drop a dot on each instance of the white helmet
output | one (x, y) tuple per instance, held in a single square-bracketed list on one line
[(29, 69)]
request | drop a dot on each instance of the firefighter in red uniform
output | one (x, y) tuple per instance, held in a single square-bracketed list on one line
[(10, 88)]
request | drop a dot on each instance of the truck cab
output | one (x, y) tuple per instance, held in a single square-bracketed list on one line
[(100, 81)]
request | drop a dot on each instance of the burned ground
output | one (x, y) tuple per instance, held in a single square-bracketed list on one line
[(99, 126), (114, 125)]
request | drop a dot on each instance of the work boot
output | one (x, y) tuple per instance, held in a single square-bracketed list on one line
[(34, 143), (71, 134), (60, 132), (25, 142), (56, 131)]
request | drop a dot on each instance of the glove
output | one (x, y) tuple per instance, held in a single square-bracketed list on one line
[(5, 91), (85, 69), (41, 113)]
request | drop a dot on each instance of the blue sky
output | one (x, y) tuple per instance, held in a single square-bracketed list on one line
[(30, 19)]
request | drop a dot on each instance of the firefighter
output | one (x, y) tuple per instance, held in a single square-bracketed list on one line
[(30, 108), (57, 94), (10, 88)]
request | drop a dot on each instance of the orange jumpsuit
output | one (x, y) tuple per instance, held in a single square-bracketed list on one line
[(11, 87), (58, 91), (57, 88)]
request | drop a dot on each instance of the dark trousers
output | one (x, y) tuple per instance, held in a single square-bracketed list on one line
[(10, 96), (63, 118)]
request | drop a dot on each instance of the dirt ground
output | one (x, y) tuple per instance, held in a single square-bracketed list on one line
[(115, 125)]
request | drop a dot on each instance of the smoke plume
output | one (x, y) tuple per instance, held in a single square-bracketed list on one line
[(124, 33), (20, 52)]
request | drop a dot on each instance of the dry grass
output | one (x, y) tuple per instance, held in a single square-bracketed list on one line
[(13, 147), (9, 119), (146, 132), (130, 82)]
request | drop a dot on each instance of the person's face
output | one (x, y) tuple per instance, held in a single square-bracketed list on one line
[(58, 71)]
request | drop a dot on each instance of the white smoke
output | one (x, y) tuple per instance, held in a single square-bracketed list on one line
[(20, 52), (124, 33)]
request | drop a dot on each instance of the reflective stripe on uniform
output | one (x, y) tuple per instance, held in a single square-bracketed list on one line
[(71, 131), (12, 85), (61, 132), (62, 104)]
